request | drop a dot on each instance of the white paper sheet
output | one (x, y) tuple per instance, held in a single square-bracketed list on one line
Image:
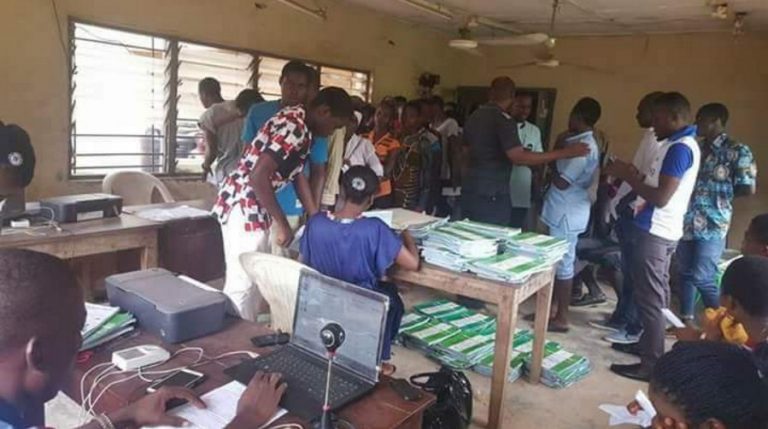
[(221, 408), (621, 415), (164, 215)]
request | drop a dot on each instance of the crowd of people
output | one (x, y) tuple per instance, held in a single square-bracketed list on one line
[(320, 158), (673, 201)]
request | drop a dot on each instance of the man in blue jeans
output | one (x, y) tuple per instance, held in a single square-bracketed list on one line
[(728, 170)]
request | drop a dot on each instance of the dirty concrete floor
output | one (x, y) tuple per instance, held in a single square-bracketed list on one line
[(526, 405)]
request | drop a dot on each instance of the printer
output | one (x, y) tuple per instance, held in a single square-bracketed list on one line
[(78, 208), (175, 308)]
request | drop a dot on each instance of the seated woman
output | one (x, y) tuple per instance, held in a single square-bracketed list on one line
[(359, 250), (706, 384)]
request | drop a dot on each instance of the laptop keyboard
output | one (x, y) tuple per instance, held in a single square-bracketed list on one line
[(308, 376)]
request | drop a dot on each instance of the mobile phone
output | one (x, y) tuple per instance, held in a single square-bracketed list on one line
[(271, 340), (182, 378), (404, 389)]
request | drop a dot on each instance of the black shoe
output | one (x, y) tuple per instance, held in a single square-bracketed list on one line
[(633, 372), (632, 349), (588, 299)]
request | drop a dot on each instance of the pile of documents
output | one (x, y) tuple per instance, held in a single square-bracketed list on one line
[(462, 339), (445, 259), (550, 249), (510, 266), (522, 344), (467, 244), (486, 230), (561, 368), (104, 323)]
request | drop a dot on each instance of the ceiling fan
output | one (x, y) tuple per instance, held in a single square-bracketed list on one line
[(466, 42), (547, 58)]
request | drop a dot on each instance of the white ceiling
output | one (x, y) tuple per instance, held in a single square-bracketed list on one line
[(586, 17)]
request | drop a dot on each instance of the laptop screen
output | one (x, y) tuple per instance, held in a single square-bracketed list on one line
[(361, 312)]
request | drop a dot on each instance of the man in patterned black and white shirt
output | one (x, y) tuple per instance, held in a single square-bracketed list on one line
[(247, 205)]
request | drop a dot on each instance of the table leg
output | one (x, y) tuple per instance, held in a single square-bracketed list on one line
[(505, 332), (543, 307), (149, 256)]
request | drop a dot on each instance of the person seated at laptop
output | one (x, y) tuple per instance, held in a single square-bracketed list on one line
[(359, 250), (17, 161), (41, 318)]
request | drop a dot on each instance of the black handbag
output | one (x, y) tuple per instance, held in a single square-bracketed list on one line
[(453, 408)]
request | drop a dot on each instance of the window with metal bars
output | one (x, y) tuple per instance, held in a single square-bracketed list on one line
[(134, 102)]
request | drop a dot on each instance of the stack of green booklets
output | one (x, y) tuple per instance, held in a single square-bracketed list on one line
[(510, 267), (548, 248), (462, 339), (461, 241), (561, 368), (104, 323)]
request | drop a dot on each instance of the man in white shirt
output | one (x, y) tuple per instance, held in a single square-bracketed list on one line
[(664, 192), (624, 323), (449, 132), (521, 179)]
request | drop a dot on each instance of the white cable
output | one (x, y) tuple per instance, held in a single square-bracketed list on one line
[(107, 387), (89, 402), (103, 376), (82, 385)]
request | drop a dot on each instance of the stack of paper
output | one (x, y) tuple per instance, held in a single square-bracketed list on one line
[(445, 259), (561, 368), (511, 267), (469, 321), (467, 244), (426, 335), (522, 344), (487, 230), (548, 248), (438, 307), (104, 323)]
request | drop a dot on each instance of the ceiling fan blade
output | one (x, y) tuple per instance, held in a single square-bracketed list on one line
[(517, 66), (521, 40), (587, 68)]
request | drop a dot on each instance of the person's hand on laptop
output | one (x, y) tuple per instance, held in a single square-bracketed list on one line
[(259, 401)]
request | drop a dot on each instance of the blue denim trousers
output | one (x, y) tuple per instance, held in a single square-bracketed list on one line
[(697, 261)]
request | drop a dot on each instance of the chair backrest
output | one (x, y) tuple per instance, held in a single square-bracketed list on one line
[(136, 188), (278, 281)]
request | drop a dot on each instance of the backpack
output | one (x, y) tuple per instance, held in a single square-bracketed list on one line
[(453, 409)]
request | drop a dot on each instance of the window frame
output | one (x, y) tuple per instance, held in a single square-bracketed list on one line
[(171, 108)]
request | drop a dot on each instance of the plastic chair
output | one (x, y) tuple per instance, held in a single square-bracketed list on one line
[(136, 188), (278, 281)]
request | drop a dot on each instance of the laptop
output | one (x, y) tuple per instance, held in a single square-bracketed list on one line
[(303, 362)]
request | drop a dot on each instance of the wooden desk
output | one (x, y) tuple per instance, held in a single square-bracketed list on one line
[(508, 298), (93, 237), (381, 409)]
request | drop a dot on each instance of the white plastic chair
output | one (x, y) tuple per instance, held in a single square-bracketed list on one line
[(136, 188), (278, 281)]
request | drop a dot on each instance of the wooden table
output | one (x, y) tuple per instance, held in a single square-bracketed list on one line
[(508, 298), (93, 237), (381, 409)]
